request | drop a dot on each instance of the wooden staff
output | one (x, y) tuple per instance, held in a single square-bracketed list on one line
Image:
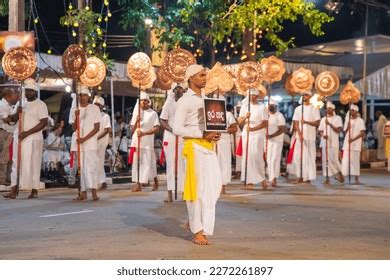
[(138, 137), (78, 132), (267, 129), (327, 141), (20, 129), (349, 143), (302, 120), (176, 163), (247, 141)]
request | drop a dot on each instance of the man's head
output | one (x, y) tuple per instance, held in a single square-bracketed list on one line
[(178, 90), (196, 76), (99, 101), (85, 94), (330, 107), (273, 105), (254, 95), (306, 97), (145, 101), (31, 89), (354, 111), (11, 94), (230, 108)]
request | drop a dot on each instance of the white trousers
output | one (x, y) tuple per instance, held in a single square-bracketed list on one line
[(169, 151), (334, 165), (89, 170), (201, 213), (274, 156), (30, 167), (309, 160), (224, 153), (101, 155), (256, 166), (148, 168), (355, 163)]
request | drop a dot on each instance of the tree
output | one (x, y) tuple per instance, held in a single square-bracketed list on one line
[(3, 7), (240, 26)]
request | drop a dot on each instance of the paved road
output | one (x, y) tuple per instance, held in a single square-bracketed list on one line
[(289, 222)]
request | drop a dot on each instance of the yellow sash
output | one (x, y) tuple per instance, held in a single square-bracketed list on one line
[(190, 190)]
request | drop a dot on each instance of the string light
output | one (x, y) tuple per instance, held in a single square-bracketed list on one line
[(94, 45), (87, 8), (224, 49), (216, 51), (236, 52), (104, 44), (232, 45), (106, 3), (258, 46), (74, 34), (99, 19), (228, 57), (76, 24), (49, 51), (99, 87), (251, 44), (109, 14), (228, 40), (36, 20), (106, 19), (70, 7), (243, 57), (191, 45)]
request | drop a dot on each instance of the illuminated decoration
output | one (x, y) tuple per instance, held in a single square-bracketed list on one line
[(302, 80)]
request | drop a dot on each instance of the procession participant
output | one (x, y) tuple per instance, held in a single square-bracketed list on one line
[(311, 120), (238, 139), (276, 129), (353, 143), (34, 120), (149, 126), (258, 117), (88, 116), (329, 129), (224, 148), (173, 144), (203, 180), (54, 145), (381, 153), (103, 140), (9, 99)]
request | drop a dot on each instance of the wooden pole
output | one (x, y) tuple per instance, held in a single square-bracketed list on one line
[(247, 141), (16, 16)]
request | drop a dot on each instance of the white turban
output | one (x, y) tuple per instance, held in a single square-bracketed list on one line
[(355, 108), (85, 90), (193, 70), (144, 96), (31, 84), (272, 101), (98, 100), (330, 105), (254, 91)]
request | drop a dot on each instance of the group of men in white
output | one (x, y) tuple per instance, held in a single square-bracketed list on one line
[(198, 163)]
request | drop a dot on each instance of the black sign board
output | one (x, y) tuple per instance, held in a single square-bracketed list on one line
[(215, 114)]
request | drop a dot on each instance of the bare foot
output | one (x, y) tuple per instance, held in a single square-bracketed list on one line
[(274, 183), (199, 239), (136, 188), (264, 185), (82, 196), (326, 182), (155, 186), (297, 181), (223, 190), (249, 187), (340, 178), (187, 226)]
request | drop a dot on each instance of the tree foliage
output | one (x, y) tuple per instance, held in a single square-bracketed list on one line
[(3, 7), (213, 21)]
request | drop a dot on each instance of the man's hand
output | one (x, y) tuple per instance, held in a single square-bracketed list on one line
[(248, 115), (140, 133), (300, 136), (326, 121), (211, 136), (248, 128), (325, 136), (351, 140), (23, 135), (81, 140)]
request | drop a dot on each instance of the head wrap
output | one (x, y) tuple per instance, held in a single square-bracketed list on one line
[(272, 101), (144, 96), (85, 90), (330, 105), (98, 100), (254, 91), (31, 84), (355, 107), (193, 70)]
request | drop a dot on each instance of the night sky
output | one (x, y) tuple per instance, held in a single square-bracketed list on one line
[(345, 26)]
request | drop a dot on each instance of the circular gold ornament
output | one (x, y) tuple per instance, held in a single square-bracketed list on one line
[(302, 80), (176, 63), (249, 74), (327, 83), (74, 61), (94, 72), (138, 66), (19, 63), (273, 69), (147, 82), (163, 81)]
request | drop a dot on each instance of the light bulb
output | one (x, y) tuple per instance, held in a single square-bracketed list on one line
[(68, 88), (76, 24)]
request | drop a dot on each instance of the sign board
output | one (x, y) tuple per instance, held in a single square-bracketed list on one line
[(215, 114)]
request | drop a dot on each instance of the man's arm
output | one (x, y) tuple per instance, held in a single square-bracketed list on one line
[(360, 135), (104, 133), (262, 125), (179, 127), (40, 126), (90, 134), (152, 131), (165, 125), (315, 123), (280, 130)]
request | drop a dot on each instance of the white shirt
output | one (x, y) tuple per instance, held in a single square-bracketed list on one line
[(105, 122), (5, 111), (258, 115), (149, 119), (189, 116), (33, 112), (310, 114), (333, 139), (89, 115), (356, 127), (275, 120), (225, 136)]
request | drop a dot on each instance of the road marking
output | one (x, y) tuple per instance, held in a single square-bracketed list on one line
[(245, 194), (68, 213)]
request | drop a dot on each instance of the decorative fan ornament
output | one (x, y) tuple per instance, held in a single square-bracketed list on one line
[(302, 80), (74, 61), (163, 81), (19, 63), (350, 94), (288, 86), (273, 69), (218, 80), (138, 66), (249, 75), (94, 72), (176, 63), (327, 83)]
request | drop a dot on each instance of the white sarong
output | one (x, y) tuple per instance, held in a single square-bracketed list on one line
[(309, 160), (333, 161), (274, 156)]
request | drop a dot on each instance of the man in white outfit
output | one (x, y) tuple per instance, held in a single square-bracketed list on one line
[(103, 139), (173, 144), (310, 120), (258, 121), (353, 143), (149, 126), (276, 129), (10, 98), (381, 152), (34, 120), (224, 149), (88, 117), (329, 129), (203, 180)]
